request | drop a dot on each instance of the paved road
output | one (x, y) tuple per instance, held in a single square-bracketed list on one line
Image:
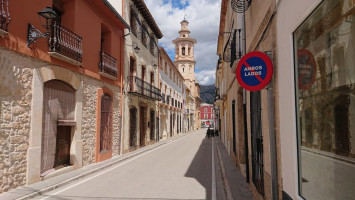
[(181, 169), (326, 178)]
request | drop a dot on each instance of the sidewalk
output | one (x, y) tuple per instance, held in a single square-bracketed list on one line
[(235, 185), (39, 188)]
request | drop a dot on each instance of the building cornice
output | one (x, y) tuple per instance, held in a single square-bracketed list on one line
[(143, 9)]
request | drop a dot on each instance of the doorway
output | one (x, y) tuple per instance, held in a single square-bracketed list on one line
[(58, 107), (143, 125), (62, 154)]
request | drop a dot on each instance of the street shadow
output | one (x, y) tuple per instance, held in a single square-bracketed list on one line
[(201, 166)]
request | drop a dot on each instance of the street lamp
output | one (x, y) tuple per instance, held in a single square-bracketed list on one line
[(154, 65), (33, 34)]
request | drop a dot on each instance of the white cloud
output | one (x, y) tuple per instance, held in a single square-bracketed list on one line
[(206, 77), (203, 16)]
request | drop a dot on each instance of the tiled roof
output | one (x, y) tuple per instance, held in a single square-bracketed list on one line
[(143, 9)]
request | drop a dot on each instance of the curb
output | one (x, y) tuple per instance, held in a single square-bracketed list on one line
[(224, 176), (99, 168)]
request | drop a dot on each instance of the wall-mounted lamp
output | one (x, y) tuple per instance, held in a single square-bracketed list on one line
[(136, 48), (154, 65), (33, 34)]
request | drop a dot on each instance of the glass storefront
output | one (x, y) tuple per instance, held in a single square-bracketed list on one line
[(325, 78)]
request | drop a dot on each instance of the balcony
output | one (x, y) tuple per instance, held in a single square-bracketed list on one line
[(65, 45), (5, 18), (108, 66), (139, 87)]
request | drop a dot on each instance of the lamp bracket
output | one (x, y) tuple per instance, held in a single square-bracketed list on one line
[(33, 34)]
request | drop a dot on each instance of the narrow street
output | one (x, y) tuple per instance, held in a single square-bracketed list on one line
[(181, 169)]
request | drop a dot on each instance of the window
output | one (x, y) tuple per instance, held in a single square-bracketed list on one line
[(145, 36), (104, 125), (205, 109), (256, 141), (152, 45), (325, 101), (166, 68), (183, 51), (133, 22), (206, 116)]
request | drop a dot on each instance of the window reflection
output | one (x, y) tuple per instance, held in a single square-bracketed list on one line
[(325, 66)]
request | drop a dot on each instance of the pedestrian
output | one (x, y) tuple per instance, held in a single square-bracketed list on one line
[(208, 132)]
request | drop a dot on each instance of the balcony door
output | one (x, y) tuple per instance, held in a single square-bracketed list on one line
[(132, 71), (143, 79)]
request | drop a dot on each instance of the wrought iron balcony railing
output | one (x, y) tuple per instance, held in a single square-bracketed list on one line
[(5, 18), (65, 45), (108, 65), (141, 88)]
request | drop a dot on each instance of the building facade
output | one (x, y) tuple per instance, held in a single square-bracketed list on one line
[(292, 139), (207, 115), (185, 62), (61, 91), (173, 89), (142, 94)]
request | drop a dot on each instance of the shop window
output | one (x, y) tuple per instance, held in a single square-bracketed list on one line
[(324, 63)]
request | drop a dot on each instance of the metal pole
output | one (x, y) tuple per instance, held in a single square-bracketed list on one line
[(245, 105)]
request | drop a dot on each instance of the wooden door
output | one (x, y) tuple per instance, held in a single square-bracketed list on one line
[(58, 104), (142, 123), (62, 155), (132, 127)]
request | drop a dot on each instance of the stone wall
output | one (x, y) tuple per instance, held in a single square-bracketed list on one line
[(89, 118), (15, 106), (16, 82)]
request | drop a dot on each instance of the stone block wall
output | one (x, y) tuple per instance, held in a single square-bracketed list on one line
[(89, 118), (16, 87), (15, 106)]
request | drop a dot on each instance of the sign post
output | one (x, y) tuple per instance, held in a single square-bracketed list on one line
[(254, 71)]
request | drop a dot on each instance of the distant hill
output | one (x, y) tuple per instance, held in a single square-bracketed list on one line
[(207, 93)]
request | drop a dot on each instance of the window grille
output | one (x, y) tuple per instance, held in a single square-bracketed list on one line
[(257, 142), (106, 123)]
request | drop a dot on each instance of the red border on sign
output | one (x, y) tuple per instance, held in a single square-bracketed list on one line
[(269, 70), (311, 62)]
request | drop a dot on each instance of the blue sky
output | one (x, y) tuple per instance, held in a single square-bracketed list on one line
[(177, 3), (203, 16)]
